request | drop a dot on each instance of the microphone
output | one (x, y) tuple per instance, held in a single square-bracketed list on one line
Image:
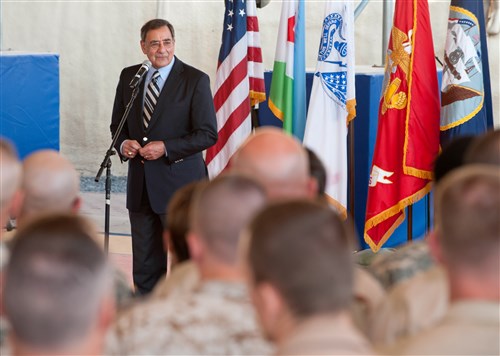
[(136, 80)]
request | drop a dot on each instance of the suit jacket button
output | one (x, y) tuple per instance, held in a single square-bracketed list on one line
[(144, 139)]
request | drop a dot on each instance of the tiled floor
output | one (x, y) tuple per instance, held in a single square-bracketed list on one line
[(120, 248)]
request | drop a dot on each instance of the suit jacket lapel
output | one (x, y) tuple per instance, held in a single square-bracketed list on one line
[(170, 86), (140, 105)]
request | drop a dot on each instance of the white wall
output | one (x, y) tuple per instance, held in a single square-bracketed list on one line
[(96, 40)]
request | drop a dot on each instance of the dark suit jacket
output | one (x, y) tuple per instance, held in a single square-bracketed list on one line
[(184, 119)]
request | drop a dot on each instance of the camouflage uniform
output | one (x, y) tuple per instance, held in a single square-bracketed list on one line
[(123, 294), (183, 279), (410, 306), (402, 264), (217, 318)]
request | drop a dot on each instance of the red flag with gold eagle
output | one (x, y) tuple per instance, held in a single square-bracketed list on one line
[(408, 127)]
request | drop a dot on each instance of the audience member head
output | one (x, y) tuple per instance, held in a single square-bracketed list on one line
[(58, 291), (467, 235), (299, 265), (10, 180), (452, 156), (175, 237), (317, 170), (278, 161), (50, 184), (485, 149), (221, 209)]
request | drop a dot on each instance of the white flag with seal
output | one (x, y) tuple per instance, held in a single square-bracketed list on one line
[(333, 104)]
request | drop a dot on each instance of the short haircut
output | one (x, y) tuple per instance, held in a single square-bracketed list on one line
[(178, 219), (317, 170), (156, 24), (50, 183), (10, 172), (55, 282), (222, 209), (485, 149), (467, 208), (452, 156), (303, 249)]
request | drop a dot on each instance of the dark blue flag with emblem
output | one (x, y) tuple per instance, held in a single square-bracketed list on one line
[(466, 107)]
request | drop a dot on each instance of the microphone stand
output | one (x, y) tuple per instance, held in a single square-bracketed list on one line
[(106, 163)]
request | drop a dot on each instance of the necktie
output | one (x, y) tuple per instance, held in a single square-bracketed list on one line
[(150, 100)]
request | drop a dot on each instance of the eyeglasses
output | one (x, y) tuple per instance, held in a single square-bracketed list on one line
[(154, 45)]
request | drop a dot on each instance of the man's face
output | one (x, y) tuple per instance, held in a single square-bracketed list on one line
[(159, 47)]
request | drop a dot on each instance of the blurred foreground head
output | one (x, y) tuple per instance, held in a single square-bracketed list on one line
[(485, 149), (220, 211), (467, 234), (299, 261), (452, 156), (58, 291), (50, 184), (277, 161), (178, 211)]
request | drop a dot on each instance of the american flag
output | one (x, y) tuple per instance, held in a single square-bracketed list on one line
[(239, 81)]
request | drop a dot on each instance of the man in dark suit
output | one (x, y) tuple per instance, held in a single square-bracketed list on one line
[(170, 123)]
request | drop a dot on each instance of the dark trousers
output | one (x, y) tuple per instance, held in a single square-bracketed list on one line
[(149, 258)]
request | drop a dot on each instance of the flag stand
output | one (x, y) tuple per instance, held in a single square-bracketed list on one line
[(428, 215), (254, 113), (409, 231), (351, 169)]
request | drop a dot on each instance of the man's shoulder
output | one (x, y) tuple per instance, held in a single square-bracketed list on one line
[(129, 72), (179, 325), (132, 68), (455, 334), (189, 69)]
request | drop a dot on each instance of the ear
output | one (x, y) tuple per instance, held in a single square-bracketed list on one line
[(196, 246), (312, 188), (273, 301), (166, 242), (143, 47), (270, 309), (107, 312), (16, 204), (434, 245), (76, 205)]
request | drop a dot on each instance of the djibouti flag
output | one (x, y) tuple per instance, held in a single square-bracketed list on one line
[(287, 99)]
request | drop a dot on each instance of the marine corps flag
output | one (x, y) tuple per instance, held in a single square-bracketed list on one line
[(465, 88), (408, 127)]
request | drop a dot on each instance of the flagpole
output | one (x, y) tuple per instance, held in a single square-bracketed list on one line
[(351, 168), (428, 215), (409, 231), (386, 26), (254, 112)]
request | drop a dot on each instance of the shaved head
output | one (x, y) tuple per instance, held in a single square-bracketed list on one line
[(277, 161), (467, 208), (220, 211), (50, 184)]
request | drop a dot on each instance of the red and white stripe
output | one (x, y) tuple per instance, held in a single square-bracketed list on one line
[(255, 65), (239, 82)]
